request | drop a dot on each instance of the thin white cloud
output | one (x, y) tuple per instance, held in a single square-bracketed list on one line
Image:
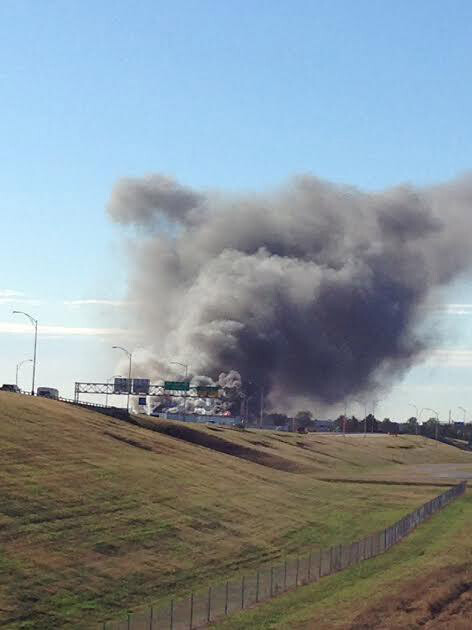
[(63, 331), (15, 300), (9, 296), (450, 357), (99, 302), (450, 309), (10, 293)]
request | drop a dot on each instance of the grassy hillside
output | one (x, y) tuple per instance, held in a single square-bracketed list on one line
[(426, 582), (97, 516)]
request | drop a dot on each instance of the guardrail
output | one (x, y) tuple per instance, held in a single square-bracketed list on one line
[(198, 609), (116, 412)]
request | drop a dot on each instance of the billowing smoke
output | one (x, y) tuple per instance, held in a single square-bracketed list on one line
[(314, 291)]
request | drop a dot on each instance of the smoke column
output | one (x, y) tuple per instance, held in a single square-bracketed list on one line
[(314, 291)]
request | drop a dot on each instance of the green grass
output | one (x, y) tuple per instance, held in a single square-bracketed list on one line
[(98, 517), (335, 601)]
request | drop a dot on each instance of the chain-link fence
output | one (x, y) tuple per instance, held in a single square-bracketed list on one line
[(202, 607)]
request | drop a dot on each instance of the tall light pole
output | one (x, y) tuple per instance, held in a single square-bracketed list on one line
[(129, 371), (35, 324), (18, 365), (181, 365), (108, 382)]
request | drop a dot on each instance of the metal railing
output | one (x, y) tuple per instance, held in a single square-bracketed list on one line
[(200, 608)]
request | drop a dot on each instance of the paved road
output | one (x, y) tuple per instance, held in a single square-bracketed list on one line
[(370, 435), (445, 471)]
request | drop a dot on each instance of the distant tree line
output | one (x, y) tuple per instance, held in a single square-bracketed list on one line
[(351, 424)]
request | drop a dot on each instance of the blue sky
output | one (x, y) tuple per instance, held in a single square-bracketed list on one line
[(232, 95)]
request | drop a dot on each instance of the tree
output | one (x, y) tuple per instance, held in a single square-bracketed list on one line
[(371, 423), (350, 425), (276, 419), (304, 418), (386, 426), (412, 425), (431, 426)]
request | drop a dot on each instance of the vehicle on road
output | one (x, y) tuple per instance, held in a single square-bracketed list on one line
[(47, 392), (10, 388)]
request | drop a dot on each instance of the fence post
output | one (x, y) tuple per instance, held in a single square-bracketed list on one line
[(151, 618), (209, 605), (296, 574), (191, 612), (271, 581), (242, 593), (171, 614), (285, 575), (129, 621), (257, 588), (227, 593), (309, 567)]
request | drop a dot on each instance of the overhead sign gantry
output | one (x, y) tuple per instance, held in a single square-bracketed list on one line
[(143, 387)]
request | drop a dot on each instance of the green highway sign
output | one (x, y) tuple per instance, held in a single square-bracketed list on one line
[(177, 386), (208, 392)]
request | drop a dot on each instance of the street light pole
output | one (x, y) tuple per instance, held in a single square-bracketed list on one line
[(181, 365), (18, 365), (129, 371), (35, 324)]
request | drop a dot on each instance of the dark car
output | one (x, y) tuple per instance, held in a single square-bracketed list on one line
[(10, 388)]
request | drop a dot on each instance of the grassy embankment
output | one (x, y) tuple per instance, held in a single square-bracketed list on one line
[(97, 516), (426, 581)]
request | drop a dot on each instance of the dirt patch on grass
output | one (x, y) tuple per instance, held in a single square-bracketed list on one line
[(129, 441), (220, 444), (440, 601), (404, 446), (260, 443)]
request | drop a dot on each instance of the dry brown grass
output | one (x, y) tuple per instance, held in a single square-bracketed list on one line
[(97, 515)]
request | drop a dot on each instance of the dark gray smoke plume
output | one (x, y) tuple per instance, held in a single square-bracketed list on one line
[(313, 291)]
